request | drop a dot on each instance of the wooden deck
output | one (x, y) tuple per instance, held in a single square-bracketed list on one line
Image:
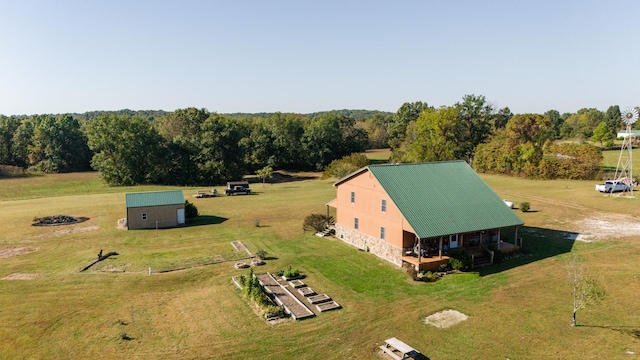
[(430, 263)]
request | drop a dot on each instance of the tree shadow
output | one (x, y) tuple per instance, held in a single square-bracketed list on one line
[(626, 330), (206, 220), (278, 177), (537, 244)]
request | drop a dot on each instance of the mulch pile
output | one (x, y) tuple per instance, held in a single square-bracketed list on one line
[(57, 220)]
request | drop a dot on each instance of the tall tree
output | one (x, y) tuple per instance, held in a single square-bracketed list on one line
[(322, 141), (613, 119), (584, 289), (8, 127), (21, 141), (58, 145), (221, 157), (183, 124), (406, 114), (474, 125), (435, 136), (603, 134), (556, 123), (125, 148)]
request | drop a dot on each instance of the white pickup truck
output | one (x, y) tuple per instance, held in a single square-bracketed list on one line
[(613, 186)]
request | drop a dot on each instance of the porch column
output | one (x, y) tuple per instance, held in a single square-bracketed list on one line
[(419, 250), (327, 206), (440, 248), (461, 236), (516, 239), (481, 245), (498, 238)]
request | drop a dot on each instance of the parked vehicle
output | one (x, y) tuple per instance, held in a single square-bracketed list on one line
[(237, 187), (613, 186), (205, 194), (508, 203)]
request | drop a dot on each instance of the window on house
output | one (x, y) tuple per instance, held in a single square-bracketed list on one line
[(144, 216), (382, 232), (353, 197), (383, 206), (355, 223)]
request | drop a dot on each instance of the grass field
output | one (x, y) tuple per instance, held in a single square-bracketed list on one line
[(520, 309)]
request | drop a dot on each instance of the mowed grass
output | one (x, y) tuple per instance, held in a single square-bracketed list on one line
[(519, 310)]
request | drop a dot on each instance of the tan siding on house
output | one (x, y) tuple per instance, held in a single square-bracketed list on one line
[(166, 216), (368, 209)]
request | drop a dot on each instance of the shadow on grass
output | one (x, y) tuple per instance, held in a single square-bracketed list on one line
[(537, 244), (627, 330), (206, 220), (278, 177)]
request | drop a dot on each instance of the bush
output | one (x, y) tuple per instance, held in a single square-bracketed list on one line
[(459, 259), (190, 210), (427, 276), (345, 166), (291, 273), (317, 222), (525, 206), (456, 264), (261, 254)]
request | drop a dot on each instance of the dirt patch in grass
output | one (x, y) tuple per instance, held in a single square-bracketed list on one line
[(5, 253), (606, 226), (445, 319), (18, 276), (72, 230)]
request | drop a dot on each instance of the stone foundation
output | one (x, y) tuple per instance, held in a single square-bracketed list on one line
[(368, 243)]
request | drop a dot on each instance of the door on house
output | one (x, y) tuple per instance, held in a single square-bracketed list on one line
[(453, 241), (180, 216)]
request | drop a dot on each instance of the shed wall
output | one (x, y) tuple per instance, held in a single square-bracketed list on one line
[(166, 216)]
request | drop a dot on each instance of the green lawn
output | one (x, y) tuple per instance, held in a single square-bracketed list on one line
[(518, 310)]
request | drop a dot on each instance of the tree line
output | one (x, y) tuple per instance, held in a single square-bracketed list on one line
[(497, 141), (195, 146), (184, 147)]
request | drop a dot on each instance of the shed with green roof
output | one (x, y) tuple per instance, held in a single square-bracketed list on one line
[(157, 209), (417, 212)]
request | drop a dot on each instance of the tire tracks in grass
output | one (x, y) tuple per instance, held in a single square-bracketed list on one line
[(550, 201)]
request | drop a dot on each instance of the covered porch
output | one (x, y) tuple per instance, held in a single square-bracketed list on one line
[(428, 254)]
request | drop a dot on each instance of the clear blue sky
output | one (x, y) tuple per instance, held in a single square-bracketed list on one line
[(59, 56)]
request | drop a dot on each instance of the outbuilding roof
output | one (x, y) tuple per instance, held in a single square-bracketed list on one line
[(442, 198), (155, 198)]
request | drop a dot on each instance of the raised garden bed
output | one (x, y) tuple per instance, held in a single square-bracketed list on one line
[(317, 299), (296, 284), (306, 291), (326, 306)]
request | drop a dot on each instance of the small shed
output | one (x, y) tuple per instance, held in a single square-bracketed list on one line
[(158, 209)]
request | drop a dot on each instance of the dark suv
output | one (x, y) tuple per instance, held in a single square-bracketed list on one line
[(237, 187)]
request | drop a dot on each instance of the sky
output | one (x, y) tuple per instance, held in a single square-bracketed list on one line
[(306, 56)]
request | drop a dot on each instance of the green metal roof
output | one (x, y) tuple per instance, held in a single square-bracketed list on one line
[(443, 198), (155, 198)]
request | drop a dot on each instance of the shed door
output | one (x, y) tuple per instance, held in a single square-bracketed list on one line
[(180, 216)]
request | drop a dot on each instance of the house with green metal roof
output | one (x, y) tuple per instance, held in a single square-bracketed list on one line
[(415, 213), (157, 209)]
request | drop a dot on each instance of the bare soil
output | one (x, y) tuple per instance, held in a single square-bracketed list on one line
[(5, 253), (445, 319), (18, 276), (606, 226), (71, 230)]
